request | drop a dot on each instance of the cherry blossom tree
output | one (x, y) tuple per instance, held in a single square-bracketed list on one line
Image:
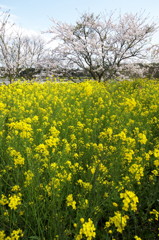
[(100, 44), (17, 50)]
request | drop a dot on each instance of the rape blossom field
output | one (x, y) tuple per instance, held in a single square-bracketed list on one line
[(79, 161)]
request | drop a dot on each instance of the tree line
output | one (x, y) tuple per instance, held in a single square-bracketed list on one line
[(101, 46)]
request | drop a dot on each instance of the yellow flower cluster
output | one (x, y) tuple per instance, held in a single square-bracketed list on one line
[(137, 171), (15, 188), (15, 235), (129, 104), (155, 213), (142, 138), (15, 200), (17, 158), (137, 238), (12, 201), (87, 231), (3, 200), (88, 89), (21, 128), (28, 177), (86, 185), (130, 200), (118, 220), (70, 201)]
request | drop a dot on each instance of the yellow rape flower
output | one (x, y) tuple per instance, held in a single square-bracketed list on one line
[(137, 238), (122, 135), (15, 235), (15, 188), (84, 203), (52, 141), (137, 170), (142, 138), (3, 200), (42, 149), (128, 154), (2, 235), (17, 157), (88, 89), (86, 185), (156, 152), (80, 125), (106, 133), (35, 119), (70, 201), (87, 231), (130, 200), (156, 163), (156, 213), (14, 201), (54, 132), (129, 104), (119, 221), (23, 128), (82, 220), (28, 177), (2, 106), (115, 204)]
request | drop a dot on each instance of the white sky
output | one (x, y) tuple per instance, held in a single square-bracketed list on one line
[(35, 14)]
